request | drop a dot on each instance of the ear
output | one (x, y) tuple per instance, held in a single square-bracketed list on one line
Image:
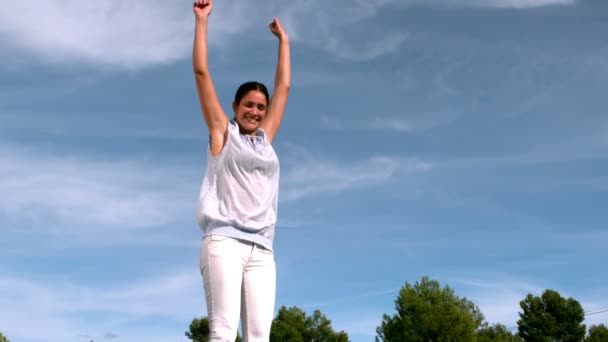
[(234, 107)]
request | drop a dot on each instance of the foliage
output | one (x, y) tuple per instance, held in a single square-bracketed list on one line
[(597, 333), (427, 312), (496, 333), (199, 330), (3, 338), (293, 325), (290, 325), (551, 317)]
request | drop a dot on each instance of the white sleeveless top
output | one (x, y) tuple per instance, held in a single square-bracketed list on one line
[(239, 194)]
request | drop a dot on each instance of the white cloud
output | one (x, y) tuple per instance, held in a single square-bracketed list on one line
[(82, 196), (394, 125), (365, 324), (52, 308), (331, 122), (106, 32), (413, 123), (21, 93), (307, 175), (352, 298), (110, 32), (348, 30), (521, 3), (368, 50), (596, 310), (518, 4), (131, 34), (587, 145), (499, 299), (131, 124), (75, 191)]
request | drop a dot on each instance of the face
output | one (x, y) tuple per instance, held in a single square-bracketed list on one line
[(250, 111)]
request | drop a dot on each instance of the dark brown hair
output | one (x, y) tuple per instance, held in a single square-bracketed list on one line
[(249, 86)]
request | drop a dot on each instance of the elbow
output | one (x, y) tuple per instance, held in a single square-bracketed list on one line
[(200, 72), (284, 86)]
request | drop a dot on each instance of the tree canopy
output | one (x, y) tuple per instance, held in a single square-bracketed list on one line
[(428, 312), (597, 333), (496, 333), (293, 325), (290, 325), (199, 330), (551, 317)]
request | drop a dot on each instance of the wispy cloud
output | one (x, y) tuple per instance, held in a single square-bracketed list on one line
[(352, 298), (369, 50), (118, 34), (498, 298), (595, 309), (76, 191), (306, 174), (133, 35), (363, 324), (587, 145), (58, 306), (413, 122), (346, 30), (394, 125), (21, 90), (106, 32), (126, 124), (115, 33), (331, 122), (520, 3)]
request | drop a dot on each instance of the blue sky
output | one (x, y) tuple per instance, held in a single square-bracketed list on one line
[(466, 140)]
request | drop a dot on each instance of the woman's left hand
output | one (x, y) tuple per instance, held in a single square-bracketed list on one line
[(277, 29)]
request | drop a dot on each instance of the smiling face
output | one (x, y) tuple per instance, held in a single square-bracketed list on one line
[(250, 111)]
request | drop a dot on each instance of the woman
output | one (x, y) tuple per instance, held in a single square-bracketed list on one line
[(239, 196)]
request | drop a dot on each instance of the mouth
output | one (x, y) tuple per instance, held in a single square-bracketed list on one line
[(251, 119)]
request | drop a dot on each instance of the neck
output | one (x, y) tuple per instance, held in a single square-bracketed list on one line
[(246, 131)]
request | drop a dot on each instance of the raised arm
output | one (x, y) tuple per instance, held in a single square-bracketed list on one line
[(282, 81), (212, 111)]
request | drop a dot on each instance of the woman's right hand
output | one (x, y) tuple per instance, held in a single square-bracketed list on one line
[(202, 8)]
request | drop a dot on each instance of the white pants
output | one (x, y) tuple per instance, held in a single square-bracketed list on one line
[(239, 278)]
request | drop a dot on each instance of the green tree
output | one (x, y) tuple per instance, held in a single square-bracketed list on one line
[(199, 330), (293, 325), (319, 329), (427, 312), (496, 333), (551, 317), (597, 333), (289, 325), (3, 338)]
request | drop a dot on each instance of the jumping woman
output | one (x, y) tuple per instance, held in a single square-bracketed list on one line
[(239, 196)]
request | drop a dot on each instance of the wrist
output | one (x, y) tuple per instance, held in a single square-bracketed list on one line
[(202, 19)]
